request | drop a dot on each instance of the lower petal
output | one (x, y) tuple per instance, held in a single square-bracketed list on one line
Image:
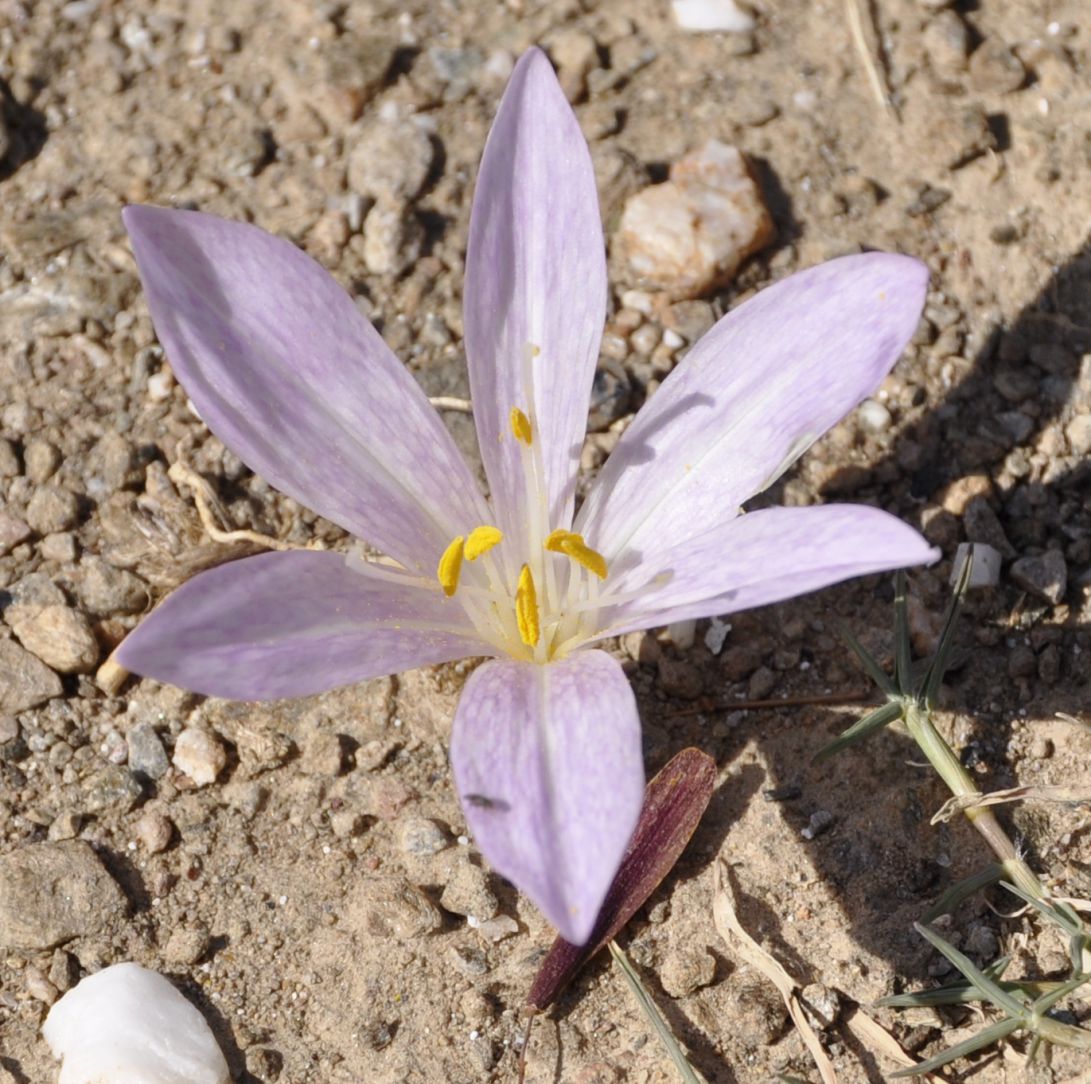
[(548, 762), (764, 557), (293, 624)]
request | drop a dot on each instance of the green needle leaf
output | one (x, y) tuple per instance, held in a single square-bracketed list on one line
[(1066, 919), (941, 658), (963, 890), (998, 996), (954, 993), (867, 660), (866, 726), (985, 1037)]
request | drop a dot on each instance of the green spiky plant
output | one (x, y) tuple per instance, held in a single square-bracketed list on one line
[(1025, 1005)]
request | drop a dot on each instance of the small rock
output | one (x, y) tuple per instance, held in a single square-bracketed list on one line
[(467, 891), (154, 831), (757, 1010), (1045, 576), (678, 677), (200, 754), (391, 161), (421, 836), (946, 40), (186, 946), (961, 134), (712, 15), (981, 942), (1078, 432), (346, 823), (12, 531), (874, 416), (60, 548), (39, 987), (59, 635), (686, 969), (40, 460), (147, 756), (982, 525), (53, 892), (392, 239), (386, 797), (821, 1004), (985, 571), (576, 54), (323, 754), (819, 822), (264, 1063), (959, 493), (66, 825), (762, 682), (25, 681), (689, 235), (52, 508), (9, 459), (496, 929), (114, 788), (995, 69), (1041, 749), (353, 68), (64, 970), (392, 907), (741, 660), (109, 465)]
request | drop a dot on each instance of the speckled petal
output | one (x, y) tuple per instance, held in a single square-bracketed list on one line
[(769, 379), (547, 760), (765, 557), (285, 370), (535, 274), (293, 624)]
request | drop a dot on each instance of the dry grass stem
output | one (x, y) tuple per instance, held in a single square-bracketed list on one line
[(731, 930), (960, 803), (867, 55)]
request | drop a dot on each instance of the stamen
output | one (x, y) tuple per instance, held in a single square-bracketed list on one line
[(521, 427), (526, 608), (572, 545), (481, 540), (450, 566)]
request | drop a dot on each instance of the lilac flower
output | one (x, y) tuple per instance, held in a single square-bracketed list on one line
[(546, 740)]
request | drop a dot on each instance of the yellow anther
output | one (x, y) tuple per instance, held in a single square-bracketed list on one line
[(572, 545), (450, 565), (520, 426), (526, 608), (480, 540)]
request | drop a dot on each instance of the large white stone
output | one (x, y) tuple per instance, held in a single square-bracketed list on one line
[(712, 15), (689, 235), (128, 1025)]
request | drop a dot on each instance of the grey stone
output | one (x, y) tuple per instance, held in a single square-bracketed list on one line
[(51, 893), (391, 161), (686, 969), (1045, 576), (114, 788), (146, 753), (986, 567), (421, 836), (982, 525), (25, 681), (995, 69), (105, 590)]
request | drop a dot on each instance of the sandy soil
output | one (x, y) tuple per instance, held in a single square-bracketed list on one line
[(313, 900)]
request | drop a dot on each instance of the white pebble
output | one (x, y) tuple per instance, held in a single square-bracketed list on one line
[(712, 15), (200, 755), (716, 634), (128, 1025)]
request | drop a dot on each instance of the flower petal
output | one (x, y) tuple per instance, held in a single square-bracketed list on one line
[(293, 624), (769, 379), (548, 762), (535, 274), (765, 557), (291, 377)]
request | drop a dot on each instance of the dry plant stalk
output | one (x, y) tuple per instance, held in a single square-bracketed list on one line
[(960, 803), (731, 930)]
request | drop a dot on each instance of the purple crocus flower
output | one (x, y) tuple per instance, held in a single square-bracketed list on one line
[(287, 372)]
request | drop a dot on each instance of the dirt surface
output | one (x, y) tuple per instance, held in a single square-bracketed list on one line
[(319, 900)]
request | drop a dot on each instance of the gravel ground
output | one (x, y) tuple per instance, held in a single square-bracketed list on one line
[(301, 869)]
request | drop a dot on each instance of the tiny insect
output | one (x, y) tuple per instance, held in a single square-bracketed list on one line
[(481, 801)]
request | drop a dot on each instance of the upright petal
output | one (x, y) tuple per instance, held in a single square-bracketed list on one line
[(769, 379), (286, 371), (765, 557), (548, 763), (535, 280), (293, 624)]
